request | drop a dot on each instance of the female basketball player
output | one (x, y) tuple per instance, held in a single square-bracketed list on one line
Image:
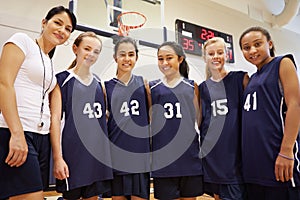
[(220, 129), (270, 120), (81, 173), (128, 126), (177, 169), (26, 80)]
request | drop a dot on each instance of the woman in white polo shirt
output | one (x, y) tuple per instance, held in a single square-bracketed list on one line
[(27, 90)]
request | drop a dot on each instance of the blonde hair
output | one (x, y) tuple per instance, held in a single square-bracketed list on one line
[(79, 39), (207, 43)]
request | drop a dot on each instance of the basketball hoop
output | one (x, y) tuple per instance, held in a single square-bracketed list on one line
[(130, 20)]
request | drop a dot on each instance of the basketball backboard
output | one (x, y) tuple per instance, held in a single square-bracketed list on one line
[(102, 15)]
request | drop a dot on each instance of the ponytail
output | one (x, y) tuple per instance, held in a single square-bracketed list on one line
[(207, 72), (184, 69), (73, 64), (51, 53)]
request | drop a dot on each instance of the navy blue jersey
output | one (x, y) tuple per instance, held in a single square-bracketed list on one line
[(263, 125), (85, 144), (221, 129), (175, 135), (128, 125)]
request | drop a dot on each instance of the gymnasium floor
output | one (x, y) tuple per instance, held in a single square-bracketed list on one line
[(54, 196)]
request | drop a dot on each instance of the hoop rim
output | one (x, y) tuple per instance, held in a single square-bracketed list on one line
[(131, 26), (124, 29)]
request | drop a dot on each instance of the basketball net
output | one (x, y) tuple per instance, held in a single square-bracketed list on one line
[(130, 20)]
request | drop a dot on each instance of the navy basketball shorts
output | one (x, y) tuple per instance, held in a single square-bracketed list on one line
[(259, 192), (131, 185), (95, 189), (211, 188), (33, 175), (226, 191), (178, 187), (232, 191)]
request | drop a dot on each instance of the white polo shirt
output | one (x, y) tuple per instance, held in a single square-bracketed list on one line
[(29, 85)]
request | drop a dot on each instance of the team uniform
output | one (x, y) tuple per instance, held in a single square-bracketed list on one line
[(128, 129), (221, 135), (176, 165), (85, 144), (263, 120), (33, 175)]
